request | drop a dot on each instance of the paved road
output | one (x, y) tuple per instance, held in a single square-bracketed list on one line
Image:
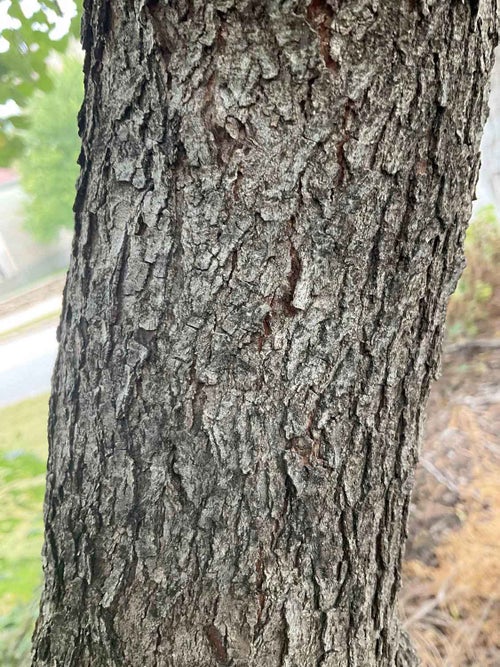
[(26, 365)]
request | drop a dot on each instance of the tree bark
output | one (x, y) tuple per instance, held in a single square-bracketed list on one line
[(269, 223)]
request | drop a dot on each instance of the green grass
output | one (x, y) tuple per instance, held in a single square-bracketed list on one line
[(23, 451)]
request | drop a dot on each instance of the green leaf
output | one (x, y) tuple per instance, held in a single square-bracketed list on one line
[(15, 10), (48, 167), (19, 122), (45, 82), (10, 148), (23, 66)]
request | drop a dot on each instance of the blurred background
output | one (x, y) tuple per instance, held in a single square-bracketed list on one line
[(451, 591)]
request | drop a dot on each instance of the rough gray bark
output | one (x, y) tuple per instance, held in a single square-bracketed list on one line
[(269, 223)]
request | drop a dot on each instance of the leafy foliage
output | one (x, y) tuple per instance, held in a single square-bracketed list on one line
[(23, 450), (48, 165), (16, 628), (24, 67), (474, 303)]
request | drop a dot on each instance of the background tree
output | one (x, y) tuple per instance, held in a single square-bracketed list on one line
[(27, 40), (269, 223), (48, 164)]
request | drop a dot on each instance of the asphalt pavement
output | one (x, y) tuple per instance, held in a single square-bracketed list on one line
[(26, 364)]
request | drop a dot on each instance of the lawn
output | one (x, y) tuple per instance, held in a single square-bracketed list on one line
[(23, 450)]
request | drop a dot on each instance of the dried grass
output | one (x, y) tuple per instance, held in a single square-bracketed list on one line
[(453, 608)]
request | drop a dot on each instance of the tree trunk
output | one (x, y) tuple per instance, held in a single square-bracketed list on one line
[(269, 223)]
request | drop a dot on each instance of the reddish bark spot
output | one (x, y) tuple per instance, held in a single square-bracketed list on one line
[(421, 168), (266, 325), (216, 644), (320, 16), (341, 160)]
